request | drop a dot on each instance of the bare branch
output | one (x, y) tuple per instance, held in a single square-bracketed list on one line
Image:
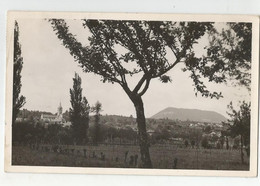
[(145, 87), (139, 84)]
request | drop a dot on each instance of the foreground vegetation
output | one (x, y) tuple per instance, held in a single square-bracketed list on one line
[(123, 156)]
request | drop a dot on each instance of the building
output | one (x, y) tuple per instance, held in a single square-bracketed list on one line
[(48, 117), (53, 118)]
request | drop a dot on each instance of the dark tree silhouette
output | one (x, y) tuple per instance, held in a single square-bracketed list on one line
[(207, 129), (85, 118), (144, 46), (193, 143), (186, 143), (205, 142), (66, 115), (79, 112), (238, 39), (239, 57), (97, 135), (231, 48), (18, 101), (240, 124)]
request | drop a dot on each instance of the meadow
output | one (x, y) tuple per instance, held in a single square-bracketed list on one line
[(127, 156)]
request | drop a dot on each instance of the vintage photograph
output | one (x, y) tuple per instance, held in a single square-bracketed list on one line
[(132, 92)]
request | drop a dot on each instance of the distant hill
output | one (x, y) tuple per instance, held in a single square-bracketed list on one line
[(189, 114)]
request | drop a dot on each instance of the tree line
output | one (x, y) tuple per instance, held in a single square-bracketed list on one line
[(30, 132)]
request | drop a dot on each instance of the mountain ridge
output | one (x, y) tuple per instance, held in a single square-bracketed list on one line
[(185, 114)]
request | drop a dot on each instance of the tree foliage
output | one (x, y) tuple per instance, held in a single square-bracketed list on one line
[(240, 121), (231, 49), (79, 112), (18, 101), (207, 129), (146, 44)]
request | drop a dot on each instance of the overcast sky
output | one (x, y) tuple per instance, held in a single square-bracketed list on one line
[(49, 68)]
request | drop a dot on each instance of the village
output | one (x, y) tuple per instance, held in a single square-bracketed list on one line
[(160, 131)]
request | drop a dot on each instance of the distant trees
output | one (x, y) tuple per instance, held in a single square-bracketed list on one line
[(97, 135), (236, 144), (79, 112), (145, 44), (195, 136), (33, 131), (193, 143), (66, 115), (240, 124), (24, 113), (160, 134), (27, 132), (18, 101), (186, 143), (207, 129), (205, 142), (22, 132), (224, 138)]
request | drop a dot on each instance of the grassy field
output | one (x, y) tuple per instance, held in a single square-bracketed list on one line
[(114, 156)]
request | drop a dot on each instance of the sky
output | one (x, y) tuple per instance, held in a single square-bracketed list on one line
[(49, 68)]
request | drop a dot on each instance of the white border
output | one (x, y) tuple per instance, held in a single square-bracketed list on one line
[(134, 16)]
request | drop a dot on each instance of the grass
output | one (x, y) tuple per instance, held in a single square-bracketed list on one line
[(162, 157)]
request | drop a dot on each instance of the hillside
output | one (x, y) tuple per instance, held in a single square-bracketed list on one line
[(189, 114)]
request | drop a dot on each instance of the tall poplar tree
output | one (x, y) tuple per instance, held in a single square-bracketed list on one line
[(79, 112), (18, 100)]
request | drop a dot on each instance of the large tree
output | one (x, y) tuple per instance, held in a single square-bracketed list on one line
[(18, 101), (118, 50), (79, 112), (233, 45)]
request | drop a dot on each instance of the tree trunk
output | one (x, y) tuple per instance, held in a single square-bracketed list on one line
[(241, 148), (142, 134), (227, 144)]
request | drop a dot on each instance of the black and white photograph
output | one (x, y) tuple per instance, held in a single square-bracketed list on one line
[(156, 94)]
